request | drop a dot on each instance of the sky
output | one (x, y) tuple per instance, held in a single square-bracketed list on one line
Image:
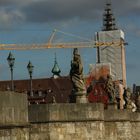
[(33, 21)]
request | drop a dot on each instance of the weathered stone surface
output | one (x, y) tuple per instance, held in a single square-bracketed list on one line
[(124, 130), (13, 108), (117, 115), (84, 122), (110, 131), (39, 132), (69, 131), (135, 116), (13, 116), (14, 134), (64, 121), (135, 130), (65, 112)]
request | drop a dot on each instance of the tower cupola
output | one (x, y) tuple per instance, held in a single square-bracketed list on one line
[(56, 70)]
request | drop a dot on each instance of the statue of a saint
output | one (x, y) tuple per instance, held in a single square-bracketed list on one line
[(109, 89), (76, 73), (129, 102), (138, 102)]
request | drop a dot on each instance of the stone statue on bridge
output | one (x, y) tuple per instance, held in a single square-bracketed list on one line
[(76, 75), (110, 89)]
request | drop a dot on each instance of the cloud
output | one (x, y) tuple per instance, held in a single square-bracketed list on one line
[(10, 17), (41, 11), (58, 10), (127, 7), (14, 2), (11, 13), (54, 10)]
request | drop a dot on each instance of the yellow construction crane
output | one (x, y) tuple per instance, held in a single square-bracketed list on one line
[(87, 44)]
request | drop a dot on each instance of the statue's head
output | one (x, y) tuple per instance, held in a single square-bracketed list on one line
[(76, 55), (75, 51)]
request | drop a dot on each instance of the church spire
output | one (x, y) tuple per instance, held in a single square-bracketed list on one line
[(108, 18), (56, 70)]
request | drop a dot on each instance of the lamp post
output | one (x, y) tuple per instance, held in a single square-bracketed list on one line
[(11, 61), (30, 70)]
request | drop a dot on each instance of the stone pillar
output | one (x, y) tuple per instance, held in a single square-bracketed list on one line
[(13, 116), (14, 108)]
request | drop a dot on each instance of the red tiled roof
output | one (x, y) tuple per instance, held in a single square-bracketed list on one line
[(60, 87)]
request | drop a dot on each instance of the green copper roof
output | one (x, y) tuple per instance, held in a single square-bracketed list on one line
[(56, 70)]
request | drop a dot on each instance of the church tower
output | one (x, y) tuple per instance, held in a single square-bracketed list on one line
[(114, 53)]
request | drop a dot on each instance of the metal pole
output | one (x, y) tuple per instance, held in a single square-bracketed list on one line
[(98, 55), (12, 83), (123, 63), (31, 90), (98, 49)]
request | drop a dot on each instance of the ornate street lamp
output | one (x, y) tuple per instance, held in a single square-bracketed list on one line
[(11, 61), (30, 68)]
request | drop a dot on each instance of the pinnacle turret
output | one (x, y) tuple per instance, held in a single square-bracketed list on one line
[(108, 19)]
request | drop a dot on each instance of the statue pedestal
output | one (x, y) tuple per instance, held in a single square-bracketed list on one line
[(112, 106), (81, 97), (78, 97)]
